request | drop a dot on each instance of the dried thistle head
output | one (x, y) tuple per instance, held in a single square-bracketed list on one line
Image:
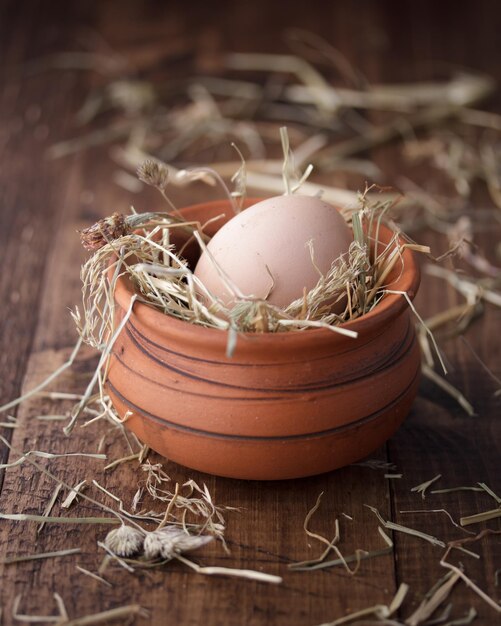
[(170, 540), (124, 541), (104, 231), (153, 545), (153, 173)]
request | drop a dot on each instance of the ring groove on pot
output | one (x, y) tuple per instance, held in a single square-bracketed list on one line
[(394, 357), (243, 415), (212, 435), (234, 361), (361, 370)]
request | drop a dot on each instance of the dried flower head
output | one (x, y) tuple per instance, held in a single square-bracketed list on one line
[(168, 541), (124, 541), (153, 173), (104, 231)]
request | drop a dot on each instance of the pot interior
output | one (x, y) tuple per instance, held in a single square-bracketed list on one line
[(187, 246)]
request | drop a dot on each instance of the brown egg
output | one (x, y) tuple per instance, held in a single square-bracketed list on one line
[(270, 239)]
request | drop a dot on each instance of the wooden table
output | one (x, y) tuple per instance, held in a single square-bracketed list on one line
[(43, 203)]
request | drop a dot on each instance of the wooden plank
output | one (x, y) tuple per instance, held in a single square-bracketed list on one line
[(32, 114), (438, 438)]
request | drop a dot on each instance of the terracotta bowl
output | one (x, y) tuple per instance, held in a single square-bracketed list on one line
[(285, 405)]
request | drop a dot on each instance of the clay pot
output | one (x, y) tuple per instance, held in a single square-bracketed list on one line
[(285, 405)]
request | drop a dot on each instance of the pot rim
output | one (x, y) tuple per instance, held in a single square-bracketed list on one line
[(390, 306)]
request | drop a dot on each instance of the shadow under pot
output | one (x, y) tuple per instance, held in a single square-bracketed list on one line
[(285, 405)]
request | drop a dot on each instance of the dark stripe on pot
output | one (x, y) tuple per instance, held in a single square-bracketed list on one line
[(324, 386), (206, 433), (231, 362), (208, 396)]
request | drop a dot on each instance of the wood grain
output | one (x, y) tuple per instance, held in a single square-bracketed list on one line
[(31, 114), (438, 438), (43, 203)]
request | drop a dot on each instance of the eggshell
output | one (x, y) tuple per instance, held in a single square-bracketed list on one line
[(270, 239)]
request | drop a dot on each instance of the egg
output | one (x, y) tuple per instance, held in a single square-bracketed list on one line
[(264, 249)]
